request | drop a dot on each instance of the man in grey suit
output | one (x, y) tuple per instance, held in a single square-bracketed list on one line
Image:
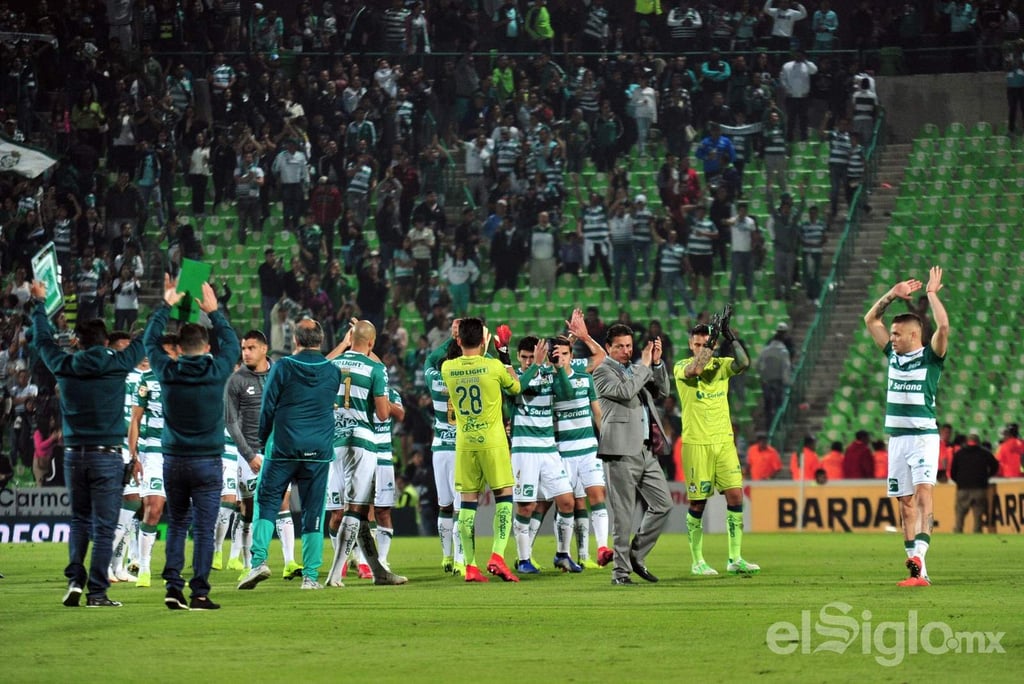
[(631, 435)]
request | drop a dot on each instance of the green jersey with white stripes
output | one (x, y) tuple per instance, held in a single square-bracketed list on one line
[(913, 382), (444, 413), (230, 448), (533, 421), (574, 418), (131, 389), (362, 381), (151, 402), (382, 432)]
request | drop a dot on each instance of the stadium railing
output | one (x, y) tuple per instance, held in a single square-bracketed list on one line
[(817, 333)]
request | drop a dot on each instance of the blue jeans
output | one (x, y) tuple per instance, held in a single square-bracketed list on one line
[(94, 480), (623, 258), (675, 286), (191, 483)]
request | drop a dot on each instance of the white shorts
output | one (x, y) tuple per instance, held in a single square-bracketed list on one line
[(384, 488), (336, 483), (247, 480), (539, 477), (360, 466), (444, 478), (153, 474), (913, 460), (229, 476), (584, 472), (133, 488)]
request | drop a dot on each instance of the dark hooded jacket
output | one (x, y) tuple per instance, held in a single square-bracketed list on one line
[(298, 407)]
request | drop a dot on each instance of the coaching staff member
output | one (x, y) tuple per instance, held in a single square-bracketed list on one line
[(193, 438), (631, 431), (94, 430), (298, 410)]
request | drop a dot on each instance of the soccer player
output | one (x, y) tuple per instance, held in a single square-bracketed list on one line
[(384, 478), (145, 444), (228, 498), (575, 419), (914, 370), (539, 471), (442, 449), (709, 450), (475, 385), (125, 532), (361, 395)]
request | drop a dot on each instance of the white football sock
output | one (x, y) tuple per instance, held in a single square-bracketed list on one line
[(221, 530), (247, 544), (581, 526), (459, 552), (146, 542), (347, 537), (384, 535), (237, 535), (563, 532), (445, 525), (521, 531), (599, 521), (286, 533), (534, 529)]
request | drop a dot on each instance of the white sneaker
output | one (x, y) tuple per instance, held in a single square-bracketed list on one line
[(124, 576), (255, 576), (742, 567), (704, 569), (336, 583), (310, 584)]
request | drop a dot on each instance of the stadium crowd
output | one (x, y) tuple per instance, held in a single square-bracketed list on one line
[(462, 131)]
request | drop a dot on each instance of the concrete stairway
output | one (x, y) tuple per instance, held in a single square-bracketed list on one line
[(847, 322)]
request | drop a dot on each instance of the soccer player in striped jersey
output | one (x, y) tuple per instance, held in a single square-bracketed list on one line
[(476, 385), (146, 443), (914, 366), (443, 453), (539, 471), (228, 498), (361, 396), (812, 240), (130, 501), (384, 478), (575, 419)]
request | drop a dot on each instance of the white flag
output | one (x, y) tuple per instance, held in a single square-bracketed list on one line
[(23, 160)]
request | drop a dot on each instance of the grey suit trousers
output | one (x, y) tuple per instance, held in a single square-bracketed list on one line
[(632, 477)]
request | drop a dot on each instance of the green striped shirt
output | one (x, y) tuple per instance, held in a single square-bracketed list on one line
[(131, 389), (533, 422), (230, 448), (913, 382), (574, 418), (444, 414), (363, 380), (151, 402), (382, 432)]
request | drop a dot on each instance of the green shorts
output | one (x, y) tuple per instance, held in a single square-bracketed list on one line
[(711, 466), (475, 468)]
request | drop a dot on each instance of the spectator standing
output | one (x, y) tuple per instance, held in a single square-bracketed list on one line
[(716, 151), (592, 226), (774, 150), (832, 462), (126, 290), (459, 274), (865, 107), (784, 229), (193, 438), (812, 241), (744, 227), (93, 431), (122, 204), (644, 100), (1014, 61), (620, 230), (825, 24), (509, 250), (292, 172), (838, 161), (249, 178), (683, 22), (543, 244), (199, 172), (973, 465), (672, 267), (23, 394), (858, 459), (1010, 452), (538, 26), (775, 367), (881, 456), (271, 278), (715, 73), (795, 79), (784, 18)]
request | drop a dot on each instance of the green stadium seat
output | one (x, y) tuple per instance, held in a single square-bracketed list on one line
[(956, 130), (982, 129)]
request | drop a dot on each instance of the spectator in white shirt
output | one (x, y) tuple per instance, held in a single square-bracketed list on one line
[(783, 19), (795, 79), (459, 273)]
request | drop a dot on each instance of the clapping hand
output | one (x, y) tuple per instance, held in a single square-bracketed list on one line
[(656, 351), (907, 287), (171, 294), (727, 332), (647, 355), (934, 280)]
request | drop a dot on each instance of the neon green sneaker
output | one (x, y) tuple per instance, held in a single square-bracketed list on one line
[(742, 567), (447, 565), (537, 565), (218, 560), (143, 580), (291, 571), (244, 573), (703, 568), (236, 564), (589, 564), (459, 569)]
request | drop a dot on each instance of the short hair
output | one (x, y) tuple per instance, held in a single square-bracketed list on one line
[(527, 343), (91, 333), (192, 338), (878, 445), (169, 340), (255, 335), (701, 329), (561, 341), (809, 441), (908, 318), (309, 334), (116, 336), (471, 332), (617, 330), (862, 435), (837, 446)]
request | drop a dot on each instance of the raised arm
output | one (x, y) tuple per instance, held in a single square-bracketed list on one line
[(873, 318), (940, 338)]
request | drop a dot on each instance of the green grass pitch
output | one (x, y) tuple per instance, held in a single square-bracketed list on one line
[(847, 620)]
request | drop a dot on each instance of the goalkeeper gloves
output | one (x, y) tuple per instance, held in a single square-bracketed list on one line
[(502, 336), (727, 332)]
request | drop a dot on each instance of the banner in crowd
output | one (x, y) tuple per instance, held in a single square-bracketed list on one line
[(864, 506), (10, 37), (23, 160)]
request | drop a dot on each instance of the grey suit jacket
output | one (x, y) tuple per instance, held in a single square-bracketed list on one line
[(622, 399)]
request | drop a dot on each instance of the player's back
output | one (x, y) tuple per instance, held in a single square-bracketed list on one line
[(475, 385), (362, 379), (443, 411)]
